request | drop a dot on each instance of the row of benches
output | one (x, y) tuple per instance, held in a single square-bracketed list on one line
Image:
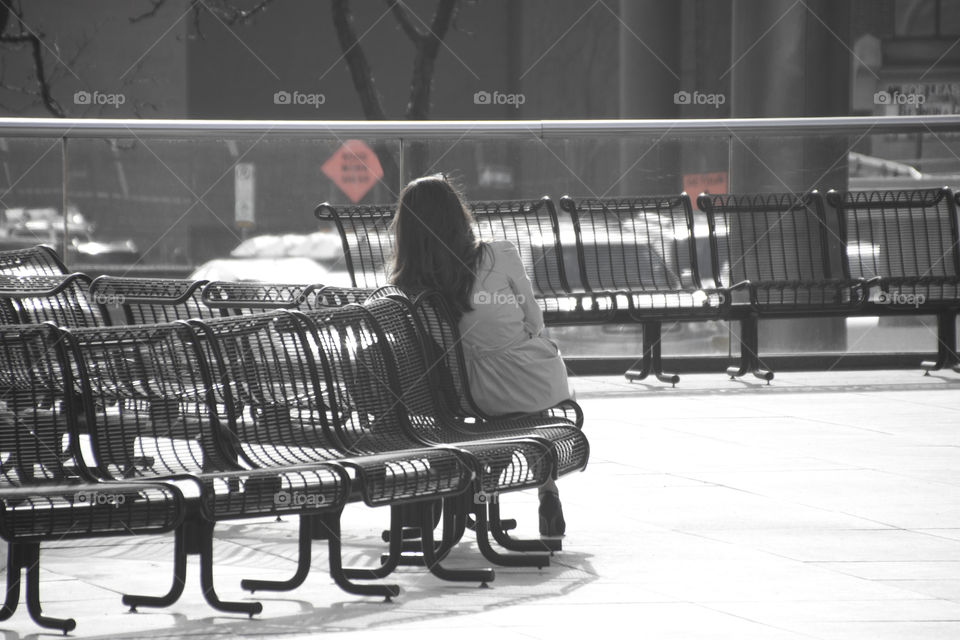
[(113, 429), (648, 259)]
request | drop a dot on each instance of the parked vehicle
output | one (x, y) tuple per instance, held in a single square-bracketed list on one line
[(30, 226)]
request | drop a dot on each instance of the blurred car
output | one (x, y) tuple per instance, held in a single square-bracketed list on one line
[(288, 270), (312, 258), (29, 226)]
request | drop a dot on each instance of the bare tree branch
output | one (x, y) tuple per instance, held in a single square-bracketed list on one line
[(427, 49), (48, 100), (360, 71), (26, 36), (232, 14), (399, 11), (157, 5)]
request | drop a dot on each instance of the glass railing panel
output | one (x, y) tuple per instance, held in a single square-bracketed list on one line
[(31, 193), (217, 208)]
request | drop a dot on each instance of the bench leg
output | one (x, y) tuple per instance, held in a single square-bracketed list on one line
[(651, 361), (454, 523), (946, 344), (538, 560), (389, 561), (513, 544), (179, 578), (483, 576), (33, 597), (13, 582), (507, 524), (749, 350), (328, 528), (412, 544), (26, 555), (305, 547), (205, 532)]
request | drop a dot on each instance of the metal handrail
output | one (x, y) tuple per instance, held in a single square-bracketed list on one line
[(544, 129)]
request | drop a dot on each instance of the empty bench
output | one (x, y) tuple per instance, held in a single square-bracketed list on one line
[(531, 225)]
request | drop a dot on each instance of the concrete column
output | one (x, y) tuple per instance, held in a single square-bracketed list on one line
[(650, 44), (789, 60)]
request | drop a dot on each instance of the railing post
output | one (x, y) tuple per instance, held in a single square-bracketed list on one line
[(63, 197), (400, 177)]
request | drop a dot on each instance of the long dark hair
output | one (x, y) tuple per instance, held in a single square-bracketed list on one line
[(434, 245)]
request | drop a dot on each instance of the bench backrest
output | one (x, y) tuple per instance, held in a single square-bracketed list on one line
[(146, 392), (403, 340), (40, 260), (243, 297), (33, 422), (531, 225), (367, 239), (331, 296), (64, 300), (361, 390), (270, 374), (900, 234), (444, 353), (769, 238), (152, 300), (635, 244)]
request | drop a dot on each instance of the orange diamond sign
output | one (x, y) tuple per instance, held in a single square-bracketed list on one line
[(354, 168)]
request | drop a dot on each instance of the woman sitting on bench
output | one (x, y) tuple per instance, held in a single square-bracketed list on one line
[(511, 367)]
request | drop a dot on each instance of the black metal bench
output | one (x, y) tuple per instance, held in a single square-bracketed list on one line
[(905, 244), (62, 299), (772, 253), (151, 300), (40, 260), (273, 373), (168, 299), (388, 402), (44, 494), (638, 263), (151, 385), (430, 417), (531, 225)]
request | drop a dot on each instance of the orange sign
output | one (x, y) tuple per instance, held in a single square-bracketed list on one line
[(354, 168), (696, 183)]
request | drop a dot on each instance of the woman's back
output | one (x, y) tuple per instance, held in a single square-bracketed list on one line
[(511, 368), (499, 318)]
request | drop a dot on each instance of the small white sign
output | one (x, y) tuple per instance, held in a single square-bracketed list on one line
[(244, 210)]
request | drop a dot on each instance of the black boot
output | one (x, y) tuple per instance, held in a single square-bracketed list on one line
[(552, 523)]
